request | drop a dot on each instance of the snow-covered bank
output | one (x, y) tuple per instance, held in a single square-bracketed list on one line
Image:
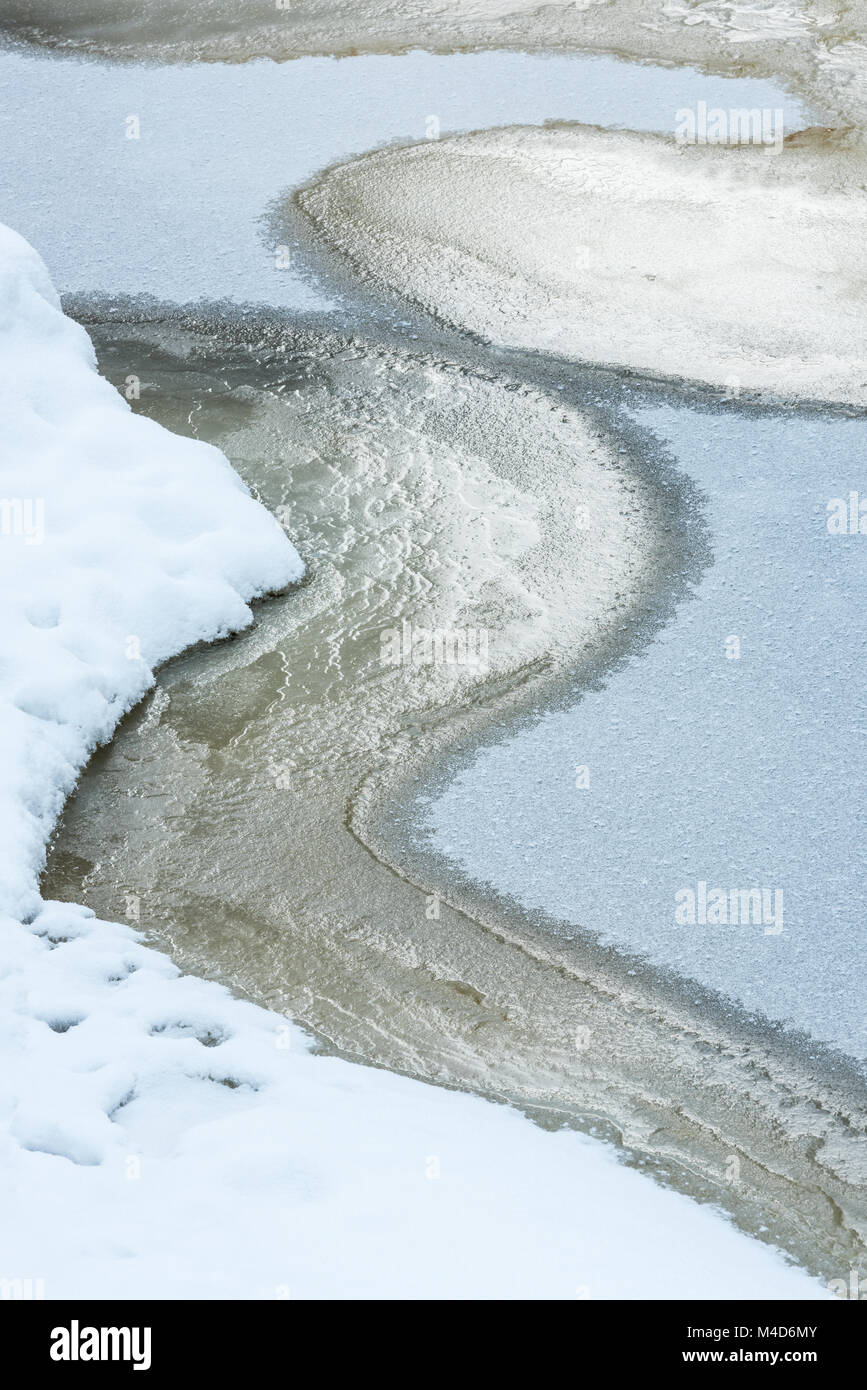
[(120, 544), (160, 1138), (166, 1140), (740, 268)]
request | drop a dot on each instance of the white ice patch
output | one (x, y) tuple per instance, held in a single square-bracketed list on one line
[(722, 265), (748, 23)]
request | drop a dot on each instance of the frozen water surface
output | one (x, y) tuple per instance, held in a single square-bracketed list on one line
[(137, 179), (729, 753)]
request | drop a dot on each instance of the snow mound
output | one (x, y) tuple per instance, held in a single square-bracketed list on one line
[(120, 545)]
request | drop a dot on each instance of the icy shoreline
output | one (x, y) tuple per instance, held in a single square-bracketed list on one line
[(161, 1138)]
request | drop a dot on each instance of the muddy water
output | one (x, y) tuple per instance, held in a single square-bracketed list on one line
[(243, 816)]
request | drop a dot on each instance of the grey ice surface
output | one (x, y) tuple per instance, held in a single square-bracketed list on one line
[(741, 772), (178, 212)]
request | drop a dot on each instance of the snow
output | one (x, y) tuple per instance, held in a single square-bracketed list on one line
[(132, 1169), (120, 544), (161, 1138), (749, 257)]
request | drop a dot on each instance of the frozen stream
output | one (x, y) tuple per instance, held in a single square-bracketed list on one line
[(216, 817)]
